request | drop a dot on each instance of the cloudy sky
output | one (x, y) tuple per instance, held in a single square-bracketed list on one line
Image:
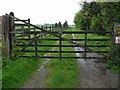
[(42, 11)]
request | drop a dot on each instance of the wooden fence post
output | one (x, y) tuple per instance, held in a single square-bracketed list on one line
[(60, 45), (29, 26), (6, 26), (0, 35), (85, 46), (36, 47)]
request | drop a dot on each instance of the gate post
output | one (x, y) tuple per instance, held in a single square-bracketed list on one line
[(6, 26), (60, 45)]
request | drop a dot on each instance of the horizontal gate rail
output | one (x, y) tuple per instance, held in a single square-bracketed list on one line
[(56, 32), (64, 51), (55, 57), (64, 40), (59, 45)]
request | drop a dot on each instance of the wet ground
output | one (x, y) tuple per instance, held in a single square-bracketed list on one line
[(38, 79), (92, 74)]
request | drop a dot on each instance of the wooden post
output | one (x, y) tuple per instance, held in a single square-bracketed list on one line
[(111, 44), (6, 23), (23, 35), (36, 49), (11, 36), (50, 28), (60, 45), (1, 36), (29, 26), (85, 45)]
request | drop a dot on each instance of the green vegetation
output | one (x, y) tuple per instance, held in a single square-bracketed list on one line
[(16, 72), (100, 16), (41, 42), (97, 16), (63, 73), (94, 43), (0, 72), (114, 63)]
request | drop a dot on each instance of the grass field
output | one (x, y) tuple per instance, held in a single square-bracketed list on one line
[(16, 72), (63, 73), (94, 43)]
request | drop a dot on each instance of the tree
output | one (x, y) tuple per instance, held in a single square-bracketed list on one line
[(59, 24), (56, 25), (97, 16), (65, 25)]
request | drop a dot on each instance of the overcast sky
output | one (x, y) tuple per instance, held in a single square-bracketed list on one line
[(42, 11)]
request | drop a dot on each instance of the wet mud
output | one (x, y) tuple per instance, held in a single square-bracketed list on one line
[(93, 73)]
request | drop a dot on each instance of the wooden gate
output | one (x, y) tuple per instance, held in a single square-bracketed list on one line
[(25, 37)]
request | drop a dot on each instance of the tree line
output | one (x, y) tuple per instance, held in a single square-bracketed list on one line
[(97, 16), (65, 24)]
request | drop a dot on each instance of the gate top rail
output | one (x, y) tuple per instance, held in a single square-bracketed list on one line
[(57, 32)]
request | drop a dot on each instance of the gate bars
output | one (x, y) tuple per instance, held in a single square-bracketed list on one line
[(40, 32)]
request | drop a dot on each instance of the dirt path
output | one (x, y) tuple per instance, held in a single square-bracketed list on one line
[(38, 79), (93, 73)]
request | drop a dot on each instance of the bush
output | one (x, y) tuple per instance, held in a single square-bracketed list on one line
[(114, 63)]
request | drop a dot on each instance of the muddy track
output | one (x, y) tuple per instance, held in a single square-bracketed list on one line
[(38, 80), (93, 73)]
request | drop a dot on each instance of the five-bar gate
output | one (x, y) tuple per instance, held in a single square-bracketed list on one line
[(28, 41)]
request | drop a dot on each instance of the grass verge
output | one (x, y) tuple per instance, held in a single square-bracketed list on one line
[(16, 72), (63, 73)]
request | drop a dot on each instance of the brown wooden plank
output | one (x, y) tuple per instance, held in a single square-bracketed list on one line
[(49, 39), (98, 39), (57, 32), (47, 45), (61, 46), (98, 46), (64, 51), (26, 29), (64, 57), (20, 24), (36, 47)]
